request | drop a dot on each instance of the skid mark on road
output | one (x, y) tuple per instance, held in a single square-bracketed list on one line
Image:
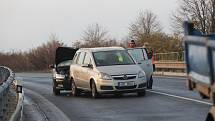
[(180, 97)]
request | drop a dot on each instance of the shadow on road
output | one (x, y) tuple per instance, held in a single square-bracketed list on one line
[(103, 96)]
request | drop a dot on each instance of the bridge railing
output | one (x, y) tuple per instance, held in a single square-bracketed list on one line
[(170, 62), (171, 56)]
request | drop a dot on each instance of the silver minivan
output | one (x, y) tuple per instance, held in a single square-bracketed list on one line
[(144, 59), (106, 70)]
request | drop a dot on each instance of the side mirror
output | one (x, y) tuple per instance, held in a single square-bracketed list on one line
[(51, 66), (90, 65), (87, 65)]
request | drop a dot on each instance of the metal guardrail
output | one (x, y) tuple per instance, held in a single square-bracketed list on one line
[(170, 62), (18, 113), (170, 65), (169, 57), (7, 78)]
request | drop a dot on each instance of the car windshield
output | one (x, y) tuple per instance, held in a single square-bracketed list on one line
[(138, 54), (116, 57)]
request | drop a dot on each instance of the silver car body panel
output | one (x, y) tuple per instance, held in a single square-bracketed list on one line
[(142, 59), (83, 75)]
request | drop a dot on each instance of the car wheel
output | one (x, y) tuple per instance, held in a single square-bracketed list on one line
[(55, 90), (203, 96), (94, 92), (150, 83), (74, 90), (141, 93), (189, 85)]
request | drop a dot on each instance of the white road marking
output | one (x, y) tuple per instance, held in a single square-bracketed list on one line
[(180, 97)]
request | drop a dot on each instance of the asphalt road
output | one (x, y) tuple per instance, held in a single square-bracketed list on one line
[(168, 101)]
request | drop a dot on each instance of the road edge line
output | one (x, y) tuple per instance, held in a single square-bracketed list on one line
[(180, 97)]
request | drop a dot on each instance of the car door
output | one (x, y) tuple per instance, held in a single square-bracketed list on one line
[(86, 71), (141, 57), (147, 63), (77, 70)]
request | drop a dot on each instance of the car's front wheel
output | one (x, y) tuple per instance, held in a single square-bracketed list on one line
[(94, 92), (74, 90), (150, 83), (55, 90)]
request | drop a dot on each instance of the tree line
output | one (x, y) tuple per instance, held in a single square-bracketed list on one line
[(146, 30)]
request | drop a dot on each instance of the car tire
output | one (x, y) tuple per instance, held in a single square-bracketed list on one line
[(141, 93), (55, 90), (94, 92), (189, 85), (74, 90), (150, 83), (203, 96)]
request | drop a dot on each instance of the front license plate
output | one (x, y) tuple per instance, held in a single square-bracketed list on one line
[(123, 84)]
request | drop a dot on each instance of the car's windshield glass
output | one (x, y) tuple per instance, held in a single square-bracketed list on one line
[(116, 57), (138, 54), (65, 63)]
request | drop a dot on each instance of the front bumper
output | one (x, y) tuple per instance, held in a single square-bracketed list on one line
[(106, 87), (122, 91)]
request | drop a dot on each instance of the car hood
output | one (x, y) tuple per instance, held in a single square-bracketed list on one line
[(64, 54), (120, 69)]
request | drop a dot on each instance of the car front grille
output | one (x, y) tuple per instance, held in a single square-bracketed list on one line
[(125, 87), (124, 77)]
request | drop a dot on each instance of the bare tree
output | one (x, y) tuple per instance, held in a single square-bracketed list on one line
[(111, 42), (44, 55), (77, 44), (146, 24), (94, 36), (202, 12)]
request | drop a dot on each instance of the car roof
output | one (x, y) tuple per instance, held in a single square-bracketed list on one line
[(97, 49)]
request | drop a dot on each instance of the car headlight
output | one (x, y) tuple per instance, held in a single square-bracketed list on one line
[(141, 74), (104, 76)]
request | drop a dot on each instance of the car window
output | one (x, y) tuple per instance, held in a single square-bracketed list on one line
[(81, 58), (87, 59), (138, 54), (116, 57), (145, 54), (76, 57)]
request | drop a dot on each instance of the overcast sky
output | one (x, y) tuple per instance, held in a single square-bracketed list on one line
[(25, 24)]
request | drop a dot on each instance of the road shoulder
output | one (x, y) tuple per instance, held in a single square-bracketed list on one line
[(37, 108)]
